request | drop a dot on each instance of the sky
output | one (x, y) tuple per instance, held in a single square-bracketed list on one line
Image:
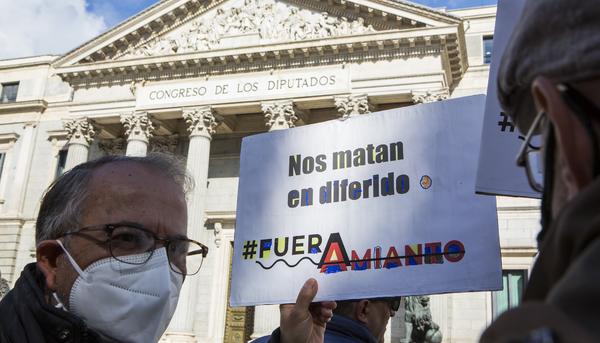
[(40, 27)]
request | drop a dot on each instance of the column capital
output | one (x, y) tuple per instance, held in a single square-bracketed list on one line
[(352, 105), (425, 96), (79, 131), (138, 126), (279, 115), (200, 121)]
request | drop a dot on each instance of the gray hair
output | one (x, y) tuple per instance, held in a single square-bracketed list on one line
[(62, 202)]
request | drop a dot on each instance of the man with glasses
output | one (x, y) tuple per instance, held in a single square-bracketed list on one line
[(112, 254), (362, 320), (355, 321), (549, 83)]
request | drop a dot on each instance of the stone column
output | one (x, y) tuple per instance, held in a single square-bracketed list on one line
[(138, 129), (80, 133), (220, 283), (201, 125), (279, 115), (266, 319), (352, 105)]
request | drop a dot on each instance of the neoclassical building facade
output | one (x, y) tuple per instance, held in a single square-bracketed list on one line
[(194, 77)]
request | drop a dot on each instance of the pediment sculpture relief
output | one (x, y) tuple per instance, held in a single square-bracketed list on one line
[(261, 21)]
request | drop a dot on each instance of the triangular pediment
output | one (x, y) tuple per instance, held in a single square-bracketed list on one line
[(173, 27), (249, 23)]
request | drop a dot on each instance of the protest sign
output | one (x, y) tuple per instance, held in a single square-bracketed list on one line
[(377, 205), (497, 172)]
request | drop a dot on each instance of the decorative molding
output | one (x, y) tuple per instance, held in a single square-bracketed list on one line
[(420, 97), (352, 105), (138, 126), (9, 138), (23, 106), (57, 134), (254, 22), (298, 54), (59, 138), (224, 217), (79, 131), (200, 121), (279, 115)]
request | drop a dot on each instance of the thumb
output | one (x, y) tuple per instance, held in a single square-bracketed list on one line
[(307, 294)]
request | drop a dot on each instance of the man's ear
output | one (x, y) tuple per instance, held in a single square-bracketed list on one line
[(361, 310), (572, 139), (47, 253)]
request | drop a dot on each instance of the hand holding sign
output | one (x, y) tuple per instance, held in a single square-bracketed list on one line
[(305, 321)]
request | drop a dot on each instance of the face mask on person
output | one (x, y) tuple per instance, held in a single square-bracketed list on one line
[(126, 302)]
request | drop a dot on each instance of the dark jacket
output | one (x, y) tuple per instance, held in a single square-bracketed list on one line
[(562, 298), (25, 315), (340, 329), (345, 330)]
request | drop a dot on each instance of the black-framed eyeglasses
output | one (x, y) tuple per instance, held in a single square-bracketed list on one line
[(584, 110), (393, 302), (123, 239), (529, 156)]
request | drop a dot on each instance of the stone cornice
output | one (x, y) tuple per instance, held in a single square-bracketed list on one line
[(23, 106), (420, 10), (9, 137), (449, 38), (57, 134), (24, 62)]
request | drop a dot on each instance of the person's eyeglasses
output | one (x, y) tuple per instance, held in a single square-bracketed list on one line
[(529, 155), (393, 302), (185, 255)]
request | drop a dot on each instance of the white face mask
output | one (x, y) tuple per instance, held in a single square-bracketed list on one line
[(126, 302)]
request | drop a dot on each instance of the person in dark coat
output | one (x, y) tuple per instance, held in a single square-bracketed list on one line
[(354, 321), (549, 83), (27, 316), (362, 320)]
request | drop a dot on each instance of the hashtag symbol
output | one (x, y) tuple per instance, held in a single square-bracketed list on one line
[(249, 250), (505, 122)]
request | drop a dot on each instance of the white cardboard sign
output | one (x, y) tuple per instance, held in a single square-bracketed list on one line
[(498, 173), (377, 205)]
